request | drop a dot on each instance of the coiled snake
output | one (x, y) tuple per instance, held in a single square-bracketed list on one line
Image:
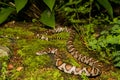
[(94, 68)]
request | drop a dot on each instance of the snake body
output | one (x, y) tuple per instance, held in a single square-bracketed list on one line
[(94, 68)]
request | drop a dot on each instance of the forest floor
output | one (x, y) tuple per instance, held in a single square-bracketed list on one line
[(24, 64)]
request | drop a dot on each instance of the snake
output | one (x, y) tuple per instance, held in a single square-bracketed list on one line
[(94, 68)]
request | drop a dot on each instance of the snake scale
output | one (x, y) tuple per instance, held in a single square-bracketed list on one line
[(94, 68)]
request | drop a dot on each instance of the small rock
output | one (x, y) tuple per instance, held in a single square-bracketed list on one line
[(10, 66), (4, 51), (19, 68)]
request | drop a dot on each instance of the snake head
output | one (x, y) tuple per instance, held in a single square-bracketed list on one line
[(41, 52), (47, 51), (52, 50)]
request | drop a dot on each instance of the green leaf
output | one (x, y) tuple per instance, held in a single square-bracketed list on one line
[(116, 58), (20, 4), (116, 53), (111, 39), (106, 4), (115, 29), (117, 64), (49, 3), (48, 18), (4, 13), (118, 37)]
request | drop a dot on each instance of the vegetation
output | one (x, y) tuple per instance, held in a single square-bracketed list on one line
[(96, 21), (107, 42)]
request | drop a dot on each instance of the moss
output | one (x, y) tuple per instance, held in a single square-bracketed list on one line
[(40, 67), (111, 75), (44, 74)]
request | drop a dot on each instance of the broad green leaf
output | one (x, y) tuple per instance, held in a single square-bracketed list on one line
[(106, 4), (4, 13), (20, 4), (48, 18), (49, 3)]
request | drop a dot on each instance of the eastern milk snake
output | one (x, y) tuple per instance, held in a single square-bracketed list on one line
[(94, 68)]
